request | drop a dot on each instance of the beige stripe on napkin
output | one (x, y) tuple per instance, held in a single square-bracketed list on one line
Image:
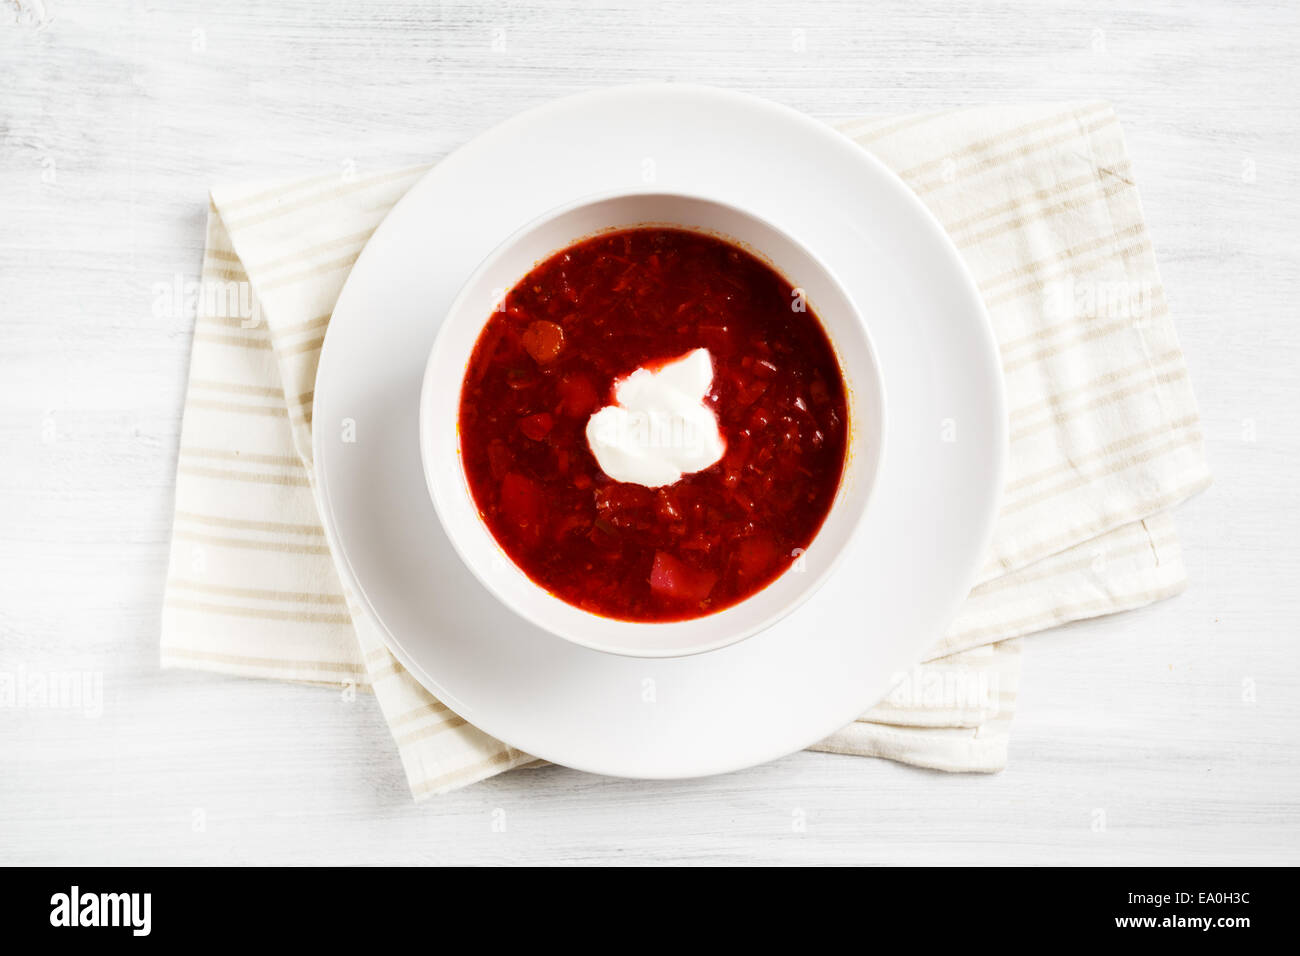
[(1105, 436)]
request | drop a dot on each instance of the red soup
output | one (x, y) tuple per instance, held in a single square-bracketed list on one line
[(552, 356)]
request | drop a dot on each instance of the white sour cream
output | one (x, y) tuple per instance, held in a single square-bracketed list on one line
[(659, 429)]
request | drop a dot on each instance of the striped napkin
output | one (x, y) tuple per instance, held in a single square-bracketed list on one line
[(1105, 437)]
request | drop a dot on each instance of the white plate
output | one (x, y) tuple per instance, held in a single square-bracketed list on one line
[(925, 531)]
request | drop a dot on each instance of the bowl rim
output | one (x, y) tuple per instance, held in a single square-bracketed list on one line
[(429, 463)]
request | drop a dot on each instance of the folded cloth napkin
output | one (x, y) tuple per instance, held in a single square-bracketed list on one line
[(1105, 437)]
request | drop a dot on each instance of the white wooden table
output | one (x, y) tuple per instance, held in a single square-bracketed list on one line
[(1175, 726)]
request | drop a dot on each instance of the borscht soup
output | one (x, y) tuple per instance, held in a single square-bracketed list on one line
[(653, 424)]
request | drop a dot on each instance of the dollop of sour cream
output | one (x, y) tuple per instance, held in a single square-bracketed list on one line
[(659, 427)]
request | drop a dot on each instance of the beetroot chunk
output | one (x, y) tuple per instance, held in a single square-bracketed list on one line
[(674, 578)]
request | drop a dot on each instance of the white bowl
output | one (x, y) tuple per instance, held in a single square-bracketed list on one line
[(440, 401)]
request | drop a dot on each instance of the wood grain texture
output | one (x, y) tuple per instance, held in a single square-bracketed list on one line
[(1177, 723)]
